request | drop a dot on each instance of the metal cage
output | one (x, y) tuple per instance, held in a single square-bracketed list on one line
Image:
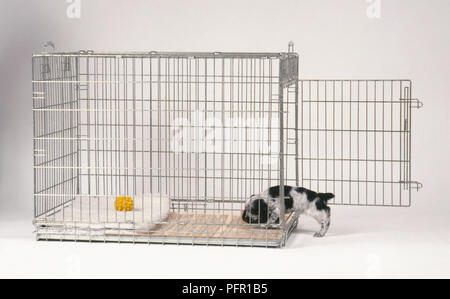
[(197, 134)]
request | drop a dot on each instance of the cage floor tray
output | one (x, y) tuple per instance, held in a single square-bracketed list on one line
[(94, 219), (199, 225)]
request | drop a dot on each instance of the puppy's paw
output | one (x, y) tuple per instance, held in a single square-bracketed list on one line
[(318, 235)]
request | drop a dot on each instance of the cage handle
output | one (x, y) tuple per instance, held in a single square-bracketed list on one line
[(49, 44), (291, 47)]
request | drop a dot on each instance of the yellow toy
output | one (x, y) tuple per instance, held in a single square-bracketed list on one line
[(123, 203)]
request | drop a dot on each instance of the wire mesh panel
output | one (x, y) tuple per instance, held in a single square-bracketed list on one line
[(355, 140), (160, 147), (56, 128)]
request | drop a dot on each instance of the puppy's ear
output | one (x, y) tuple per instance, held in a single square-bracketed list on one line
[(325, 196), (259, 207)]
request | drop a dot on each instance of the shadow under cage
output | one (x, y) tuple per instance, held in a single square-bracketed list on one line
[(164, 147)]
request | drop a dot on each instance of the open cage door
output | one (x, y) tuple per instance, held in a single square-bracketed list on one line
[(355, 140)]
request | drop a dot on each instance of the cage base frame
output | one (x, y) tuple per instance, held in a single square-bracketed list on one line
[(84, 232)]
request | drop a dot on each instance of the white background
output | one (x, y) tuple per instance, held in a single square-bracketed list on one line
[(335, 39)]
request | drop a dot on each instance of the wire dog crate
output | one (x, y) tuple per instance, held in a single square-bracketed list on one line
[(188, 137)]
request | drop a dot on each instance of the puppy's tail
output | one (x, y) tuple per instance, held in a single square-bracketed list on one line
[(325, 196)]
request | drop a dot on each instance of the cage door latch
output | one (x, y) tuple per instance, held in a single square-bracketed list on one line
[(416, 103), (412, 185)]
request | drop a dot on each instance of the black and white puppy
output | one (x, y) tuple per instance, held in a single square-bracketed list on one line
[(264, 208)]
